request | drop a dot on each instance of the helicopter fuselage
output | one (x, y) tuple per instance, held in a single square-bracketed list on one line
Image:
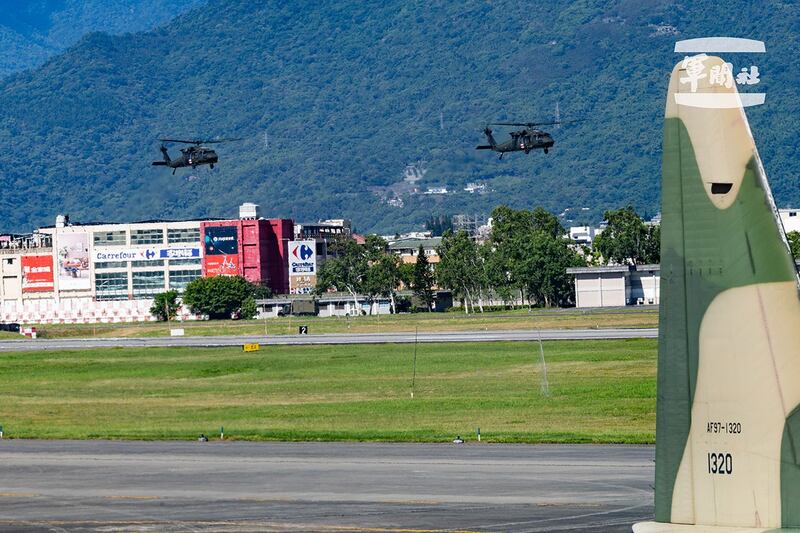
[(190, 157), (196, 156), (521, 141), (526, 141)]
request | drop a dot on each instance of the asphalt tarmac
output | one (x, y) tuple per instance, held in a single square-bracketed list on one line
[(332, 338), (329, 487)]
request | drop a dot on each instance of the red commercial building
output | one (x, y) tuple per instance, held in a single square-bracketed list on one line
[(254, 248)]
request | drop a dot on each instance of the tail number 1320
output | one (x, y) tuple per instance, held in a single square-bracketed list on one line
[(720, 463)]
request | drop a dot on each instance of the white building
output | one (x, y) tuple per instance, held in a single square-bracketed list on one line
[(616, 286), (408, 249), (474, 187), (790, 218), (341, 305), (584, 234), (96, 272)]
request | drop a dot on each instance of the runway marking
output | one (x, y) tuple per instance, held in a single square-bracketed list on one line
[(223, 523), (572, 517), (301, 500), (124, 497), (566, 504), (18, 495)]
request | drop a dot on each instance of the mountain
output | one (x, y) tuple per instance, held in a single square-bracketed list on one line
[(32, 31), (334, 100)]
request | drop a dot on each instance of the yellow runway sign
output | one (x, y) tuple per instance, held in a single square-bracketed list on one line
[(251, 347)]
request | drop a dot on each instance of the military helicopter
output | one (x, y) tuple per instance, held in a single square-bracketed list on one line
[(191, 156), (524, 140)]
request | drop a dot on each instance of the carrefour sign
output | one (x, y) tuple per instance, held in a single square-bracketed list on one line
[(302, 258), (154, 253)]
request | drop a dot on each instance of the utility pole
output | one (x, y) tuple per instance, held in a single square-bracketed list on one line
[(545, 385), (414, 374)]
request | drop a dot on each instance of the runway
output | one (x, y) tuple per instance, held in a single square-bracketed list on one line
[(364, 487), (333, 338)]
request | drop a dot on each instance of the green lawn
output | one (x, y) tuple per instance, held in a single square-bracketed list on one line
[(519, 319), (600, 391)]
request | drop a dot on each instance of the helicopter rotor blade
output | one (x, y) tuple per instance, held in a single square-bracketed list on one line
[(200, 141), (534, 124), (222, 140), (182, 141)]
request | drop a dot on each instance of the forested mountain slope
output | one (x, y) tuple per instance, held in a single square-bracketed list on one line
[(335, 99), (31, 31)]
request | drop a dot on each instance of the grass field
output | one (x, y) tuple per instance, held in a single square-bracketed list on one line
[(600, 391), (520, 319)]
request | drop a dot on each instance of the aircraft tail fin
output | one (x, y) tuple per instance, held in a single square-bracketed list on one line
[(727, 429)]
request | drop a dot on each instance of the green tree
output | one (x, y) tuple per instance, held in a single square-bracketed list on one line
[(508, 224), (218, 297), (437, 225), (528, 253), (165, 306), (460, 269), (652, 245), (374, 247), (542, 270), (498, 276), (794, 243), (422, 279), (627, 239), (546, 222), (249, 308), (347, 270), (384, 277)]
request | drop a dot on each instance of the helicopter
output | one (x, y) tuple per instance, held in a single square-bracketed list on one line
[(191, 156), (524, 140)]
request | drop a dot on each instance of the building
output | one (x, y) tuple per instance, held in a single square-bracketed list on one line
[(258, 250), (408, 249), (584, 234), (790, 218), (323, 233), (110, 272), (327, 305), (616, 286), (324, 229), (474, 187)]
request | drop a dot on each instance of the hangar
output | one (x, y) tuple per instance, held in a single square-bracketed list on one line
[(616, 285)]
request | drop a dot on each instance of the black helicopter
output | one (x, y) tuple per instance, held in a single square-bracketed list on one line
[(191, 156), (524, 140)]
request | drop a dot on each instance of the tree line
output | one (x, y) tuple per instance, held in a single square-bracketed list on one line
[(524, 260)]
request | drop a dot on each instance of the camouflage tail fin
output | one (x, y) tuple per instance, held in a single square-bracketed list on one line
[(727, 432)]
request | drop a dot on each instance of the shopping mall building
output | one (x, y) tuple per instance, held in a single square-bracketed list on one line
[(74, 273)]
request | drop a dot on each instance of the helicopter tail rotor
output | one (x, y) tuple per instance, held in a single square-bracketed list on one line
[(166, 161), (487, 131)]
